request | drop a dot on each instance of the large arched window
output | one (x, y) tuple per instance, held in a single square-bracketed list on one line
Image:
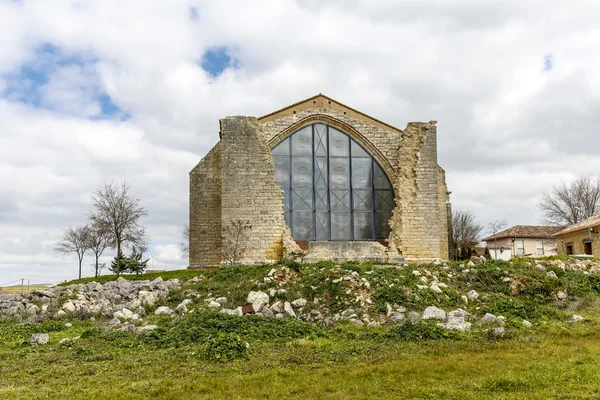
[(332, 188)]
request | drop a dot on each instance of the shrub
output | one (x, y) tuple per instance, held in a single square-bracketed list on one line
[(291, 264), (424, 330), (225, 347)]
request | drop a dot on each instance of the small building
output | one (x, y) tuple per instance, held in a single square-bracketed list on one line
[(523, 241), (580, 238), (322, 177)]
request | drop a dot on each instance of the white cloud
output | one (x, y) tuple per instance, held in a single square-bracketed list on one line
[(507, 131)]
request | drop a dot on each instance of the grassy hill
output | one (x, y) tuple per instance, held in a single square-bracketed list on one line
[(208, 354)]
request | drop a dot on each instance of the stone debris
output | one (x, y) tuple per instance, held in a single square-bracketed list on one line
[(433, 312), (490, 320), (39, 338), (163, 310)]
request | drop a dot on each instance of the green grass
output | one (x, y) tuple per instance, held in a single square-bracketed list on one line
[(183, 359), (559, 363)]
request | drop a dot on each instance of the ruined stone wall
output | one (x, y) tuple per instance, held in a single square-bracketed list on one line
[(249, 190), (205, 210), (415, 223), (443, 216)]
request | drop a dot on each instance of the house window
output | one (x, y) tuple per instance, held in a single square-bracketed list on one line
[(569, 249), (333, 189), (587, 247), (519, 249), (539, 248)]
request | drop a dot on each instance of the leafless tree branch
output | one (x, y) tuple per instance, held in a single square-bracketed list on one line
[(569, 204), (465, 231)]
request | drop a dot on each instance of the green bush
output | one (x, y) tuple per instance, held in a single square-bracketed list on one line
[(225, 347), (424, 330)]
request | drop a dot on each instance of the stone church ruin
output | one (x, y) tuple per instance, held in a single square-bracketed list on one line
[(320, 180)]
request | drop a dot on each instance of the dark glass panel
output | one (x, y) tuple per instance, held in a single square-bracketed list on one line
[(340, 226), (358, 151), (302, 225), (321, 173), (302, 199), (381, 180), (339, 175), (321, 201), (302, 142), (340, 200), (384, 200), (361, 173), (302, 175), (363, 226), (322, 228), (282, 149), (282, 171), (363, 200), (320, 140), (339, 143), (382, 221)]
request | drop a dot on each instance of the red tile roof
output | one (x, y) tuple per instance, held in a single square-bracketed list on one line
[(526, 231), (588, 223)]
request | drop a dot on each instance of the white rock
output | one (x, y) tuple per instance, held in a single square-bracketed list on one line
[(434, 287), (277, 307), (221, 300), (214, 304), (299, 303), (527, 324), (576, 318), (395, 318), (416, 272), (237, 311), (61, 314), (459, 312), (433, 312), (551, 274), (146, 297), (388, 309), (146, 328), (163, 310), (39, 338), (470, 264), (561, 295), (69, 307), (498, 331), (423, 279), (289, 310), (68, 325), (272, 272), (473, 295), (257, 299), (490, 319), (456, 322), (422, 287), (465, 299)]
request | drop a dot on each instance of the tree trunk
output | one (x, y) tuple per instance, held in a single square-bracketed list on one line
[(80, 260), (118, 257)]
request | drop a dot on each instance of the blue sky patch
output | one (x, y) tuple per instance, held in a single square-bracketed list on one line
[(24, 85), (215, 61)]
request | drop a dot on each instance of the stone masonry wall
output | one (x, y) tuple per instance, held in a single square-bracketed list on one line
[(577, 239), (415, 223), (249, 190), (442, 216), (205, 210)]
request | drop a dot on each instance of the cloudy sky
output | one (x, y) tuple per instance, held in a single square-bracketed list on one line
[(94, 91)]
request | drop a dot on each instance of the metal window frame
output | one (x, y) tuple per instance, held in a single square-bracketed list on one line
[(328, 157)]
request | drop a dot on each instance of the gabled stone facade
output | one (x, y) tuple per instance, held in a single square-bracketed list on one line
[(235, 181)]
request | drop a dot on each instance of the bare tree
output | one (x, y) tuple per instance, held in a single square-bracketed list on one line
[(74, 240), (119, 214), (569, 204), (184, 245), (465, 230), (98, 241), (235, 241), (494, 228)]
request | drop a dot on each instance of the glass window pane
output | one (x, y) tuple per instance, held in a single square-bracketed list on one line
[(322, 225), (340, 200), (339, 176), (384, 200), (361, 173), (363, 226), (321, 201), (357, 151), (381, 180), (382, 223), (339, 143), (282, 171), (320, 140), (302, 142), (302, 199), (286, 200), (302, 172), (282, 149), (321, 173), (340, 226), (362, 200), (302, 225)]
